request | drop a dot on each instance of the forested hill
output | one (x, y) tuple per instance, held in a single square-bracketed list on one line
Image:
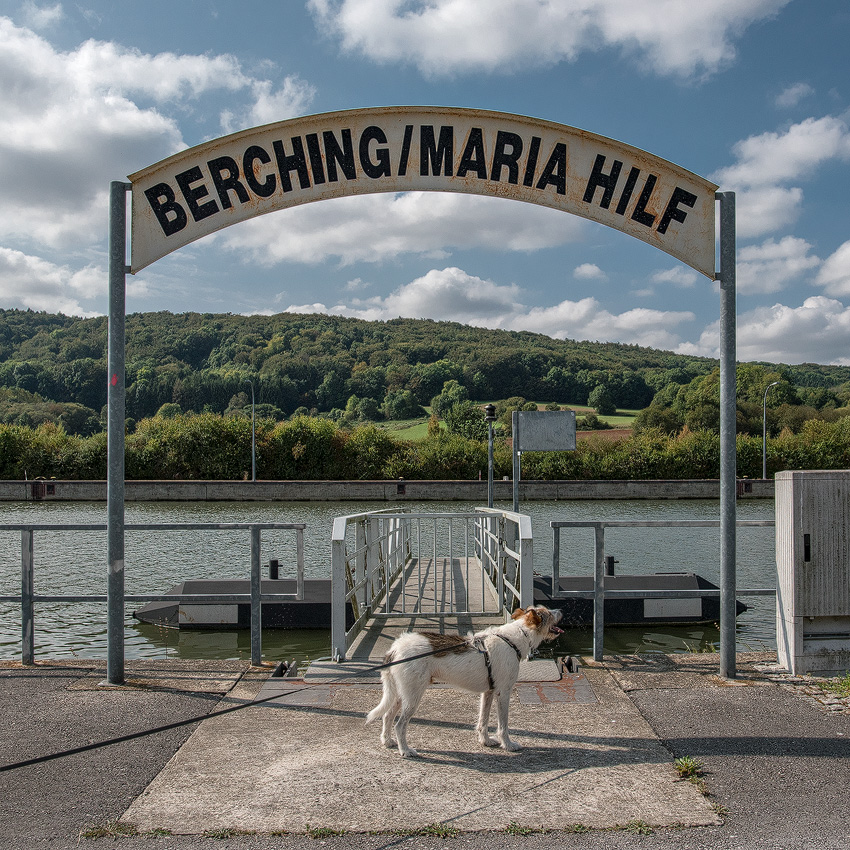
[(203, 361)]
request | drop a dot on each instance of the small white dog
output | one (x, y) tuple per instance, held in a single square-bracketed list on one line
[(485, 663)]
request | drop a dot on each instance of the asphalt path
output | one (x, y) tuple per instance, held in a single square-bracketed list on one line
[(776, 764)]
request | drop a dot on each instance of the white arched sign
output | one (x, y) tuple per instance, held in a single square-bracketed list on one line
[(363, 151), (399, 149)]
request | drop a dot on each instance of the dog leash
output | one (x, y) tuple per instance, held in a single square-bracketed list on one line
[(188, 722), (176, 725)]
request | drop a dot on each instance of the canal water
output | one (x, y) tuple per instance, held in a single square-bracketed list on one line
[(75, 563)]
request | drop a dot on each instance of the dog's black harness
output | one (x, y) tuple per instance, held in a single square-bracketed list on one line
[(478, 643)]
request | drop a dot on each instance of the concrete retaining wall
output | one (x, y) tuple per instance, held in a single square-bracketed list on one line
[(378, 491)]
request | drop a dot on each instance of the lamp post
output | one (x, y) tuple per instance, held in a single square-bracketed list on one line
[(253, 433), (489, 418), (764, 431)]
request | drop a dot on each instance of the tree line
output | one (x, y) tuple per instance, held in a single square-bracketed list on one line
[(209, 446), (53, 367)]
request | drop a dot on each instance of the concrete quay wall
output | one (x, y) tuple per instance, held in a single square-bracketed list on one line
[(377, 491)]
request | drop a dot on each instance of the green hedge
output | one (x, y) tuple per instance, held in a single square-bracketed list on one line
[(209, 446)]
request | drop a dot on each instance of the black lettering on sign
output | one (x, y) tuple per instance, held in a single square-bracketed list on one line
[(436, 157), (555, 170), (502, 158), (640, 214), (673, 213), (473, 157), (531, 163), (628, 191), (170, 215), (316, 164), (405, 150), (230, 183), (192, 195), (380, 168), (342, 154), (257, 154), (297, 162), (599, 179)]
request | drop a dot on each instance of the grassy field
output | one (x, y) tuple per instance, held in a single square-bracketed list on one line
[(622, 419), (417, 429)]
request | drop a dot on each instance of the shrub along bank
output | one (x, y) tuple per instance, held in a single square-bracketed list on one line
[(213, 447)]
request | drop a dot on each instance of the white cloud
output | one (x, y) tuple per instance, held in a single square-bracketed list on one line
[(28, 282), (451, 36), (677, 275), (41, 17), (765, 209), (815, 332), (589, 271), (793, 95), (771, 266), (373, 228), (271, 104), (69, 124), (453, 294), (356, 285), (834, 274), (772, 158), (767, 161)]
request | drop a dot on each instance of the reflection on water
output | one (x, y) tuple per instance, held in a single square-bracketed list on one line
[(280, 645), (75, 562)]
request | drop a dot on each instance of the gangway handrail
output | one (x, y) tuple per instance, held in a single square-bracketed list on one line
[(28, 598), (599, 593), (364, 572)]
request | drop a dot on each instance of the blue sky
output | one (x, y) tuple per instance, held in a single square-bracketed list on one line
[(752, 94)]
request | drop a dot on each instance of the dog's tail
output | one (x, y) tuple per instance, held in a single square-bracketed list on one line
[(388, 698)]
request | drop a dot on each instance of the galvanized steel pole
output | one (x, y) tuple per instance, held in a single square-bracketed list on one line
[(728, 466), (516, 458), (27, 593), (489, 418), (256, 605), (598, 592), (115, 433), (489, 464), (764, 431)]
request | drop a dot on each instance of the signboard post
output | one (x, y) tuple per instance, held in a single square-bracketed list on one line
[(540, 431)]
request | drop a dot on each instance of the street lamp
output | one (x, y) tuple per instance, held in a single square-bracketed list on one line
[(253, 433), (489, 418), (764, 431)]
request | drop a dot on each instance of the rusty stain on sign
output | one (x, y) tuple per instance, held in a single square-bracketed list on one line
[(401, 149)]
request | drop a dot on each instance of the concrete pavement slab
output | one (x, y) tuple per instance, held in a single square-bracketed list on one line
[(292, 768)]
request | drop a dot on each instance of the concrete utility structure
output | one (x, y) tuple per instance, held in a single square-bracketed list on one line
[(813, 566), (397, 149)]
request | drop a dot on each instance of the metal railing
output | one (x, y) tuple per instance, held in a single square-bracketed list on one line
[(28, 598), (599, 592), (388, 565)]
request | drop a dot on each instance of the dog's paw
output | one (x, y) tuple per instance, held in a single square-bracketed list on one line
[(511, 747), (409, 753), (488, 742), (389, 743)]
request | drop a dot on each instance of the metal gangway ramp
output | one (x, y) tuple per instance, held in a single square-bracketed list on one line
[(395, 571)]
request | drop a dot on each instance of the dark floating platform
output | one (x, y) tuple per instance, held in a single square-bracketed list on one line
[(314, 611), (635, 612)]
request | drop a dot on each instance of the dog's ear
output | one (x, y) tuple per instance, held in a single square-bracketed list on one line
[(533, 618), (520, 612)]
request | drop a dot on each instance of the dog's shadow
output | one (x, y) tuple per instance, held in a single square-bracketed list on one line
[(528, 760)]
